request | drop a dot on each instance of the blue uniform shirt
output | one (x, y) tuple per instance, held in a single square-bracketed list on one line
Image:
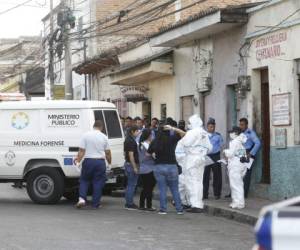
[(216, 141), (253, 142)]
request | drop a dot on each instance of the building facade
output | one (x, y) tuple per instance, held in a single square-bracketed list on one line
[(174, 14), (272, 105), (225, 62), (253, 71)]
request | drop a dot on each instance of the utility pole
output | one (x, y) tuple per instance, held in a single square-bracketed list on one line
[(51, 54), (68, 57), (85, 76)]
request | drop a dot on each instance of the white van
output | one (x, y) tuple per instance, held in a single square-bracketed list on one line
[(40, 139)]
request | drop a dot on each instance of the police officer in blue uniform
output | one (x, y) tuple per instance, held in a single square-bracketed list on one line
[(217, 142), (252, 146)]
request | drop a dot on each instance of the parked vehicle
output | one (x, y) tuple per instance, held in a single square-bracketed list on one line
[(40, 139), (278, 227)]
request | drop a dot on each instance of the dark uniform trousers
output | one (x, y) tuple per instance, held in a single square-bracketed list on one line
[(247, 179), (217, 176)]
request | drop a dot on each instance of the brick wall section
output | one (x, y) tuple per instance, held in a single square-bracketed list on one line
[(207, 5), (108, 8)]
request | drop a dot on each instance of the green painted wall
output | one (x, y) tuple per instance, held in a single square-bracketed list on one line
[(285, 175)]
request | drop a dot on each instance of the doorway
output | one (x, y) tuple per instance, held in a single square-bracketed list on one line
[(265, 126), (232, 106), (163, 112), (146, 110)]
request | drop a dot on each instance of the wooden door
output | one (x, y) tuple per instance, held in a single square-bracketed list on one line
[(265, 119)]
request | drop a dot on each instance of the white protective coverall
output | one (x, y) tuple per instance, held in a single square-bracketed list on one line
[(190, 154), (236, 170)]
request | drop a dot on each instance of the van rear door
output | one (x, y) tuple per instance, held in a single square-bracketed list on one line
[(114, 132)]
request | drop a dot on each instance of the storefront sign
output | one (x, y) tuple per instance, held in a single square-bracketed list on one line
[(270, 46), (281, 112), (280, 138)]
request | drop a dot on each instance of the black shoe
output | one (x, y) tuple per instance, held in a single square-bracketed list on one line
[(142, 208), (217, 197), (195, 210), (151, 209), (228, 196), (131, 207), (185, 207), (97, 207)]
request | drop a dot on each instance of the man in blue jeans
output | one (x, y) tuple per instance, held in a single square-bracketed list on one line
[(131, 166), (94, 149)]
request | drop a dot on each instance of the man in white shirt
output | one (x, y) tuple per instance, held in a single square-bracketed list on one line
[(94, 148)]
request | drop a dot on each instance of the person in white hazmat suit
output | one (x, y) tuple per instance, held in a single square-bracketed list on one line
[(190, 155), (237, 166)]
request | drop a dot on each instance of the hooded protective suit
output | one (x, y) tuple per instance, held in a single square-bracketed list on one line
[(190, 154), (236, 170)]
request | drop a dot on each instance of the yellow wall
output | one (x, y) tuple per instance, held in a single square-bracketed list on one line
[(162, 91)]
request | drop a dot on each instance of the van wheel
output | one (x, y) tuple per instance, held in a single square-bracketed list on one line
[(45, 185)]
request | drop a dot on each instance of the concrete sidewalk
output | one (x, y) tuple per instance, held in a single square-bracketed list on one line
[(248, 215)]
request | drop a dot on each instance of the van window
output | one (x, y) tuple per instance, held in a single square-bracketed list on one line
[(113, 124), (99, 116)]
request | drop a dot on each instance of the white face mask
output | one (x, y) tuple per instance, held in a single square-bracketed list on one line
[(233, 136)]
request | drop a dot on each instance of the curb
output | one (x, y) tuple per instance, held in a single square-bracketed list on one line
[(235, 215), (227, 213)]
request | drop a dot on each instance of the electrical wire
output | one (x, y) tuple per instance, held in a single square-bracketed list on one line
[(140, 24), (15, 7), (37, 62), (116, 15)]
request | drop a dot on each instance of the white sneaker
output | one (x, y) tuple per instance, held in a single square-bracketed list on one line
[(81, 203), (236, 206), (233, 205), (162, 212)]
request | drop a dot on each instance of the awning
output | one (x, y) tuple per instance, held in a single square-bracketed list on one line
[(211, 24), (142, 74), (96, 65)]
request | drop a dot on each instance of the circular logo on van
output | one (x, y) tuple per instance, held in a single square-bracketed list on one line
[(20, 120), (10, 158)]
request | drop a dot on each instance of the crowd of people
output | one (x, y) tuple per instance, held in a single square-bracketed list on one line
[(181, 158), (173, 156)]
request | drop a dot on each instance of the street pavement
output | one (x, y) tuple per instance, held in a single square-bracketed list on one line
[(25, 225)]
